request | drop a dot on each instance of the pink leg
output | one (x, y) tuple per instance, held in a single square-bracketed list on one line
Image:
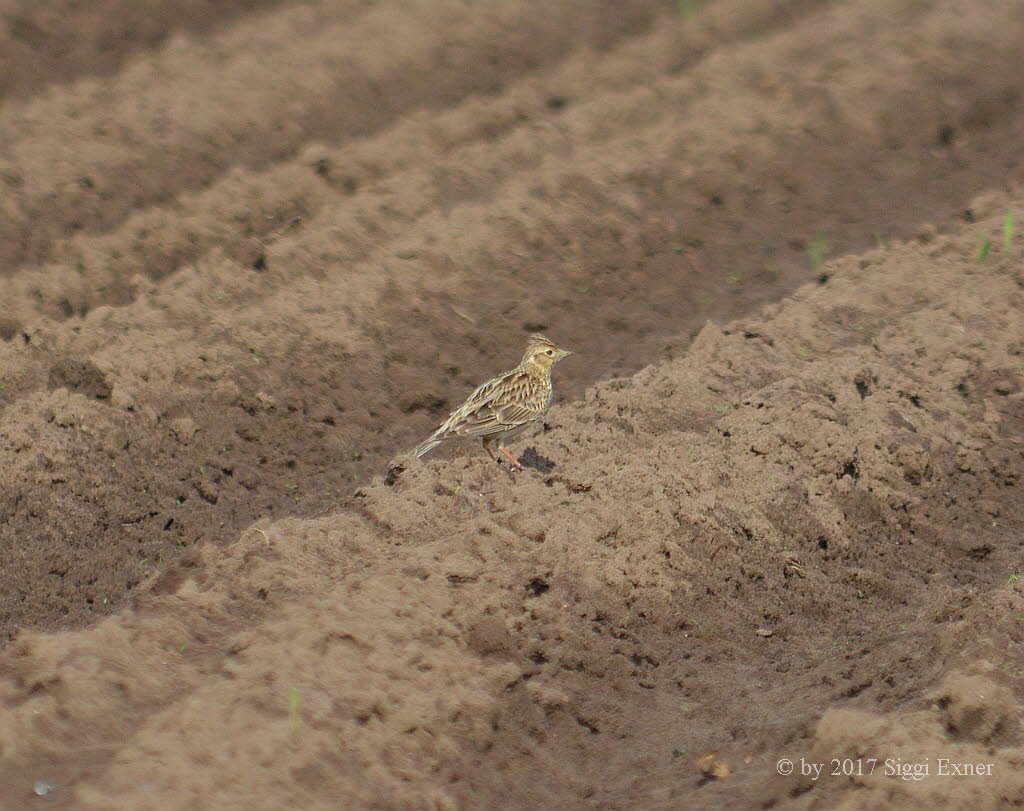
[(512, 459)]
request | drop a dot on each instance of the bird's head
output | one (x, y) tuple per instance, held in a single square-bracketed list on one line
[(542, 354)]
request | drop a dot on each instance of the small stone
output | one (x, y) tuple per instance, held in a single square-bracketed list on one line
[(42, 787), (712, 768)]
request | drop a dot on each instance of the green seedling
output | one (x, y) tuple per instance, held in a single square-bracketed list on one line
[(816, 250), (983, 248), (1014, 578), (688, 8), (293, 710)]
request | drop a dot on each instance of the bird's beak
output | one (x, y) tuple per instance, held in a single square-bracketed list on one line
[(566, 352)]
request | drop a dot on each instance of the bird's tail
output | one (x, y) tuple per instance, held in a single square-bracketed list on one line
[(426, 446)]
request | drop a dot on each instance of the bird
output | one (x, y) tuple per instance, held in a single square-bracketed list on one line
[(504, 406)]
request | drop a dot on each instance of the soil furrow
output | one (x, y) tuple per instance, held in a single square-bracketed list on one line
[(46, 42), (100, 270), (84, 157), (250, 251), (466, 145), (620, 227), (788, 567)]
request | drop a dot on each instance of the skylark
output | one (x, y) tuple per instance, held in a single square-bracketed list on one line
[(504, 407)]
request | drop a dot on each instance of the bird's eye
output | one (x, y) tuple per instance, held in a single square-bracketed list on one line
[(549, 352)]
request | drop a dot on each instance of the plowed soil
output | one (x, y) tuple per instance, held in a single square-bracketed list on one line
[(249, 252)]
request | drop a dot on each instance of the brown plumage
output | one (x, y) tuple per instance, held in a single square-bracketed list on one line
[(502, 408)]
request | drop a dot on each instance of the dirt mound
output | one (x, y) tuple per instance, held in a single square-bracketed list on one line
[(251, 250), (799, 540), (252, 262), (62, 40)]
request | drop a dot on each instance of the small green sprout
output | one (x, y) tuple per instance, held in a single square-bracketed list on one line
[(688, 8), (293, 709), (983, 248), (816, 250)]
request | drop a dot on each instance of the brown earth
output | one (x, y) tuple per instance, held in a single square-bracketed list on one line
[(251, 250)]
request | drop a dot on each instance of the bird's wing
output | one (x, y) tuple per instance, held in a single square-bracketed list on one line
[(503, 403)]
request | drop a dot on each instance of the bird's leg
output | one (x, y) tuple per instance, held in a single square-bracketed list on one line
[(487, 447), (512, 459)]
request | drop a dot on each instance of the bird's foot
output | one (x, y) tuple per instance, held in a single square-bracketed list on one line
[(512, 459)]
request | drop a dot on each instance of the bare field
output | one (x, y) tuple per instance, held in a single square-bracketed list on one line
[(251, 250)]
